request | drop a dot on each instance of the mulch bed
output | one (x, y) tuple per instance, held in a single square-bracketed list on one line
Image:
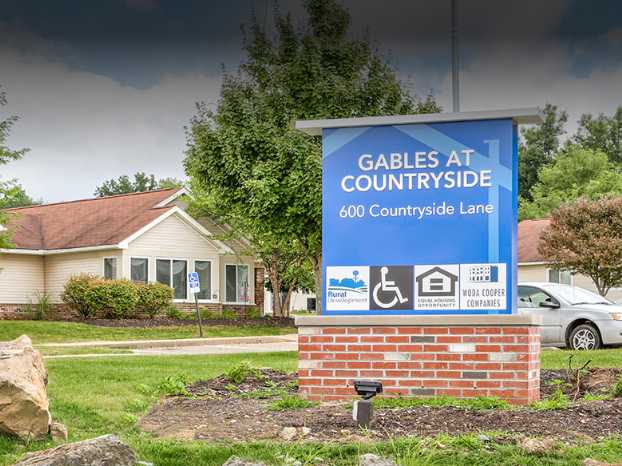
[(221, 387), (165, 322), (221, 414)]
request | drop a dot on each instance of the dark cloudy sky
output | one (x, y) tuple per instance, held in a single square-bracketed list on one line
[(105, 87)]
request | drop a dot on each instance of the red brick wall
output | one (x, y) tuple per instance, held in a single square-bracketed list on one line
[(461, 361)]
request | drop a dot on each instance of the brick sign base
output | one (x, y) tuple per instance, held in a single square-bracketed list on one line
[(458, 356)]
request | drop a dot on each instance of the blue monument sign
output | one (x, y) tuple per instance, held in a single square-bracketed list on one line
[(420, 213)]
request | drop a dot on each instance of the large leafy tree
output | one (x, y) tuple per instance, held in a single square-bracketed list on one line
[(6, 155), (602, 133), (577, 172), (586, 237), (538, 149), (13, 194), (141, 182), (247, 155)]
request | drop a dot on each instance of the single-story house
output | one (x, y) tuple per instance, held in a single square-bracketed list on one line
[(145, 237), (533, 268)]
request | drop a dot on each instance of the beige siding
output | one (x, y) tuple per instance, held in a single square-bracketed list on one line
[(232, 259), (59, 267), (532, 273), (174, 238), (21, 277)]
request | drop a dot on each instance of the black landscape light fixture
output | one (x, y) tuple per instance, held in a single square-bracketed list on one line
[(362, 410)]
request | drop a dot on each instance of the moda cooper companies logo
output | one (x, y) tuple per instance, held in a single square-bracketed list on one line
[(347, 288)]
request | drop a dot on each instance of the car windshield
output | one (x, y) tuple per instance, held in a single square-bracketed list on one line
[(575, 295)]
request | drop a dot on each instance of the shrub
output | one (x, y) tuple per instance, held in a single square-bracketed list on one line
[(241, 372), (174, 385), (153, 298), (42, 307), (173, 313), (113, 298), (617, 388), (74, 294), (253, 313), (206, 314), (558, 400), (229, 314)]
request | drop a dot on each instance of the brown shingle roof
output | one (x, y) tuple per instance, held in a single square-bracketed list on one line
[(88, 222), (529, 232)]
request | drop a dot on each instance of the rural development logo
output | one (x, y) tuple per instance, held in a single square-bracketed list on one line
[(347, 288)]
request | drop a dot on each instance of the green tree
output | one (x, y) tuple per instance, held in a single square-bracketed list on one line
[(577, 172), (6, 155), (13, 194), (602, 133), (538, 149), (247, 155), (140, 183), (586, 237)]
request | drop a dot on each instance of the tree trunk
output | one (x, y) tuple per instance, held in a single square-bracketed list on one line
[(317, 274), (286, 302), (275, 282)]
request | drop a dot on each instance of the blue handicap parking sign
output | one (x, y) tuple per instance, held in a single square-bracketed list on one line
[(194, 282)]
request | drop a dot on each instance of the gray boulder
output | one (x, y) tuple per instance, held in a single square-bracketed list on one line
[(106, 450)]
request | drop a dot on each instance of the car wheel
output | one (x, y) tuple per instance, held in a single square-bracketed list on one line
[(585, 337)]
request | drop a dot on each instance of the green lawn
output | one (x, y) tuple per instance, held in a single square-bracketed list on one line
[(61, 351), (97, 396), (63, 332), (553, 359)]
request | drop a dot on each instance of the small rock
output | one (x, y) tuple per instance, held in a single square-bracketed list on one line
[(534, 445), (483, 438), (369, 459), (235, 461), (106, 450), (305, 431), (58, 431), (288, 433), (592, 462)]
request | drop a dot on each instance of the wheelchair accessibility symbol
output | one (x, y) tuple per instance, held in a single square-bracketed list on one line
[(392, 287)]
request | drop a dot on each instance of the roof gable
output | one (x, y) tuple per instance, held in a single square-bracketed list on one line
[(529, 233), (86, 223)]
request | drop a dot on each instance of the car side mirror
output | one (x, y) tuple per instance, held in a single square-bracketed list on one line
[(549, 305)]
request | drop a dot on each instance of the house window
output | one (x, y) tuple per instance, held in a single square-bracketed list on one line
[(139, 269), (110, 268), (236, 283), (204, 269), (173, 272), (560, 276)]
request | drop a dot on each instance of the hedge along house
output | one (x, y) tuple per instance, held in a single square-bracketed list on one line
[(532, 267), (144, 237)]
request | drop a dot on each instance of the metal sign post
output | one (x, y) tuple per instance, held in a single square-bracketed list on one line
[(195, 287)]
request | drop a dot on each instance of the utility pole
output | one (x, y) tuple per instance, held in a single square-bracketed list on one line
[(455, 62)]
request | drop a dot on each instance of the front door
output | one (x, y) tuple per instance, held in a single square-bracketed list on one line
[(530, 300)]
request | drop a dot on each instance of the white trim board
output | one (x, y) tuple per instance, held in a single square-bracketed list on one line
[(531, 115)]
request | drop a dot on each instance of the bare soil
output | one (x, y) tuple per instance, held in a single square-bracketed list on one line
[(219, 413)]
